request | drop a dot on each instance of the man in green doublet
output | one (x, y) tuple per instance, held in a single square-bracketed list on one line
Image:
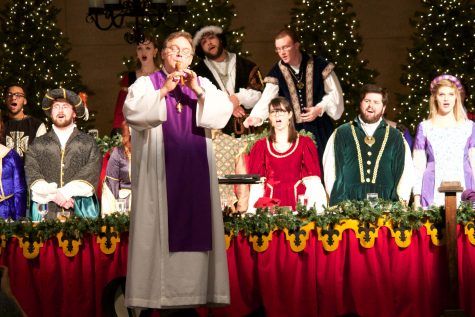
[(367, 155)]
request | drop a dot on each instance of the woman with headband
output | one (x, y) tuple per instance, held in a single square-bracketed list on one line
[(444, 146)]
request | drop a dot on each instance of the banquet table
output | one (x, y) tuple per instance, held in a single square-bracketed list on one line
[(368, 270)]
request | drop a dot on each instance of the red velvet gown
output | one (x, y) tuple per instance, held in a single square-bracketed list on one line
[(284, 171)]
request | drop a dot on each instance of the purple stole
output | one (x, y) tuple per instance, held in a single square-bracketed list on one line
[(187, 172)]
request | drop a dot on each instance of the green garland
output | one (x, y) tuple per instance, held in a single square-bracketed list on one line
[(398, 213), (106, 143), (262, 223), (74, 227)]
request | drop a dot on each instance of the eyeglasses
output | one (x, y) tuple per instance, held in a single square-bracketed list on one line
[(175, 50), (15, 94), (62, 107), (278, 112), (283, 48)]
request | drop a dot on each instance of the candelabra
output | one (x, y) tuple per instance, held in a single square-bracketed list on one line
[(106, 14)]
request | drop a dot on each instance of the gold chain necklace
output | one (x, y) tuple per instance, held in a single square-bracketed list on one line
[(300, 84), (368, 139), (360, 157)]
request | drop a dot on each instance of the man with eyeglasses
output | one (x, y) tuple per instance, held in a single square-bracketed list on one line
[(20, 128), (308, 83), (177, 256), (238, 77), (62, 166)]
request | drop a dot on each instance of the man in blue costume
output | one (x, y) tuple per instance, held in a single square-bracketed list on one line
[(63, 166), (368, 155), (310, 85)]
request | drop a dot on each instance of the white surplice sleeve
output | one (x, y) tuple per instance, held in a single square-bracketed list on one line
[(261, 109), (248, 97), (329, 171), (332, 102), (406, 183), (144, 108), (217, 108)]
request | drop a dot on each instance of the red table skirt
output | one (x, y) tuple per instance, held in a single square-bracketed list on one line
[(53, 284), (384, 280)]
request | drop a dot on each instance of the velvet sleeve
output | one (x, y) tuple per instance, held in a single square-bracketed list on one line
[(310, 161), (118, 114), (408, 138), (471, 156), (85, 178), (32, 167), (420, 138), (113, 172), (19, 184), (419, 158), (471, 141), (257, 164)]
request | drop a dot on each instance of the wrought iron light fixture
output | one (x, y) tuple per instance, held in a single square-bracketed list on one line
[(114, 13)]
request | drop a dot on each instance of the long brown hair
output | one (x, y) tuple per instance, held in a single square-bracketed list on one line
[(278, 103), (124, 127), (148, 38)]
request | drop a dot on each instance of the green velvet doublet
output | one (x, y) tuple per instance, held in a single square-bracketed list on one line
[(362, 169)]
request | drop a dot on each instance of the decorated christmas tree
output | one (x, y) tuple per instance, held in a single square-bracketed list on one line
[(329, 28), (34, 52), (443, 43), (196, 15)]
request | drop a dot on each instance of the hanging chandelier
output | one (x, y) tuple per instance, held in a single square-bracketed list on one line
[(106, 14)]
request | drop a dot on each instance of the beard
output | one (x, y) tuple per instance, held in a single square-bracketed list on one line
[(218, 52), (63, 122), (370, 118)]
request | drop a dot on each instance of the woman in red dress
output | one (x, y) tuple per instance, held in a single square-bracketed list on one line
[(287, 163), (147, 61)]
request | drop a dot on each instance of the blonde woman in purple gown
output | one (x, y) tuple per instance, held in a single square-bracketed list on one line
[(444, 146)]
